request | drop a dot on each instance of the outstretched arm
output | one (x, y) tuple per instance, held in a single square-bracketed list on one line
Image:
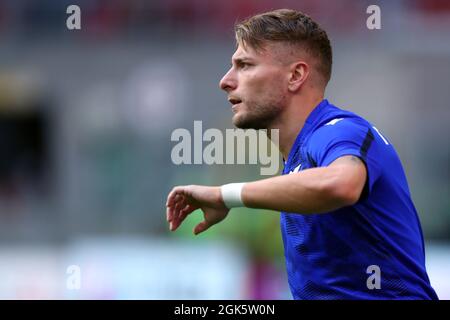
[(314, 190)]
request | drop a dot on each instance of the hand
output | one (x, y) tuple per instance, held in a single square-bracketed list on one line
[(183, 200)]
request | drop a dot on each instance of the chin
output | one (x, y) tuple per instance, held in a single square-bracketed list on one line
[(241, 123), (237, 120)]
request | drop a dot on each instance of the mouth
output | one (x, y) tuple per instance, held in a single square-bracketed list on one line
[(235, 102)]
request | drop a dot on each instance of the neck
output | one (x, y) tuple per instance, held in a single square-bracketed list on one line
[(292, 120)]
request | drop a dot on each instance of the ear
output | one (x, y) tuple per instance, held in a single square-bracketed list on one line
[(299, 72)]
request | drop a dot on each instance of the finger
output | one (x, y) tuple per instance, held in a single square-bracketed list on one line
[(183, 213), (171, 218), (187, 210), (172, 194), (170, 213), (175, 224), (169, 197), (172, 202), (202, 226), (180, 203)]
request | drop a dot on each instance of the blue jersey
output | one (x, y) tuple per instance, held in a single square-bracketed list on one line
[(373, 249)]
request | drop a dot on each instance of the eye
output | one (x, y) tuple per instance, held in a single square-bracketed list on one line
[(245, 65)]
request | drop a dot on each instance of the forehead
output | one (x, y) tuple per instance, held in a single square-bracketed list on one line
[(248, 52), (270, 52)]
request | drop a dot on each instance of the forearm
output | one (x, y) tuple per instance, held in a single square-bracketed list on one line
[(310, 191)]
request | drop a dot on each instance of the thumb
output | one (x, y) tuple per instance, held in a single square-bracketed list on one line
[(202, 226)]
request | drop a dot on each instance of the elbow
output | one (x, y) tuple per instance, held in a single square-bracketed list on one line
[(347, 195), (343, 191)]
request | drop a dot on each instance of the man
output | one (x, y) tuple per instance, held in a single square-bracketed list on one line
[(346, 210)]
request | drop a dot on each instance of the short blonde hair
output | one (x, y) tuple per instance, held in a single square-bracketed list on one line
[(289, 26)]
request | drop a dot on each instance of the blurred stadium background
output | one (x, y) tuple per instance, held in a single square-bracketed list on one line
[(86, 118)]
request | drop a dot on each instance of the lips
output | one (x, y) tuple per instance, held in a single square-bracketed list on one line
[(235, 102), (235, 108)]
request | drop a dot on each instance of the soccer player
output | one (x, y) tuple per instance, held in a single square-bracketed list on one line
[(346, 210)]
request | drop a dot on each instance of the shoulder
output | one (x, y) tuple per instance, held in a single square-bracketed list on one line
[(340, 128)]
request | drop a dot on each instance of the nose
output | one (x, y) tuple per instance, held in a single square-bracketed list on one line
[(228, 82)]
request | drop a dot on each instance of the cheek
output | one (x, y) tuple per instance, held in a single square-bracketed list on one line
[(256, 83), (268, 86)]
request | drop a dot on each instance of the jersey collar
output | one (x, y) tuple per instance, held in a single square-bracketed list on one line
[(315, 114)]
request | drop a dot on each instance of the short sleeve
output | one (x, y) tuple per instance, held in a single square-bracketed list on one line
[(342, 138)]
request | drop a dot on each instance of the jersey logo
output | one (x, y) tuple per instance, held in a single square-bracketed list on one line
[(334, 121), (296, 169)]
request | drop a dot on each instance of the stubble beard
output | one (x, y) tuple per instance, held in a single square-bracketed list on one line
[(257, 116)]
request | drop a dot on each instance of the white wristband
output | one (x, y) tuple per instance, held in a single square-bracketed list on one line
[(231, 195)]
